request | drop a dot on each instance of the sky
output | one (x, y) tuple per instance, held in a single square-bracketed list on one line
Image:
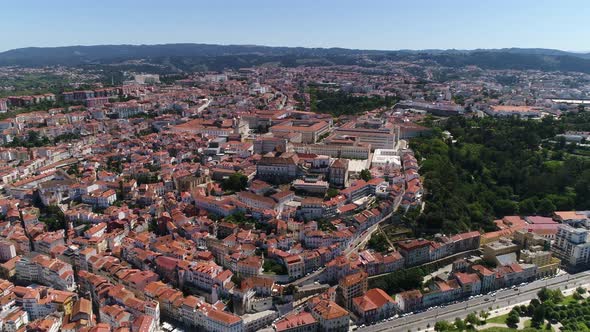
[(360, 24)]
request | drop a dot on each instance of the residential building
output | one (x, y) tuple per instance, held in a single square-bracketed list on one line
[(379, 134), (572, 246), (7, 250), (339, 173), (415, 252), (330, 316), (409, 301), (295, 266), (281, 168), (310, 130), (297, 322), (47, 271), (374, 306), (348, 149), (351, 286), (547, 265)]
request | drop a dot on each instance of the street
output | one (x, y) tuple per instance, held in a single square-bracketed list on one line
[(423, 320), (357, 243)]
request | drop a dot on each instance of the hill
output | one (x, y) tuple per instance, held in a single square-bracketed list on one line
[(76, 55), (199, 57)]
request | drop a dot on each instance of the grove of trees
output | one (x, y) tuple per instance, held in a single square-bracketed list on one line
[(499, 167), (399, 281), (342, 103)]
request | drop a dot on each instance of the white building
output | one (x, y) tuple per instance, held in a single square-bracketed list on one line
[(46, 271), (7, 250), (572, 245), (330, 316), (146, 78), (386, 157)]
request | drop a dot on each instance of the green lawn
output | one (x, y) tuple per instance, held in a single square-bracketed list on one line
[(568, 300), (498, 319), (507, 329)]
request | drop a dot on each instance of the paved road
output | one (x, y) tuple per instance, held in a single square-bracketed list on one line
[(354, 246), (366, 235), (420, 321)]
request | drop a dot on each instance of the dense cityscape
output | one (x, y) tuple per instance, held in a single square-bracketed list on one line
[(264, 198), (374, 194)]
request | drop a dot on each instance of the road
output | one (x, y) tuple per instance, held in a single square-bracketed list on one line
[(423, 320), (366, 235), (354, 246)]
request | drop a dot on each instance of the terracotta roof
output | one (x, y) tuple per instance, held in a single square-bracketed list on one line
[(294, 321), (353, 279), (374, 298), (466, 278), (329, 310), (223, 317)]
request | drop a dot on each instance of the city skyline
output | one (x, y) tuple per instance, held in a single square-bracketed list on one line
[(327, 166), (379, 26)]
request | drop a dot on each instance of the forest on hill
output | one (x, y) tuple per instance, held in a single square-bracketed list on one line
[(499, 167)]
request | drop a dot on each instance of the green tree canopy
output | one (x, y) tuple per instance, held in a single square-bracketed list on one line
[(235, 182)]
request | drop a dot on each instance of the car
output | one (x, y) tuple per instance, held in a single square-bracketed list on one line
[(515, 289), (486, 299)]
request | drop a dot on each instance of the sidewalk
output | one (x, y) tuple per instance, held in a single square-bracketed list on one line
[(505, 310)]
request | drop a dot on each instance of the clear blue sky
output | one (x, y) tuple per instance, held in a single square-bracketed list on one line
[(365, 24)]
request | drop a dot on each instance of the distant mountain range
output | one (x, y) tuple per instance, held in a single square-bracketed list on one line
[(191, 57)]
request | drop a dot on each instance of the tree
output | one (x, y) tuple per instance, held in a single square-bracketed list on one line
[(325, 225), (290, 290), (498, 167), (513, 319), (484, 315), (32, 136), (401, 280), (581, 290), (528, 206), (235, 182), (332, 193), (556, 296), (442, 326), (544, 294), (459, 99), (505, 207), (378, 242), (271, 266), (237, 279), (343, 103), (546, 207), (460, 324), (366, 175), (538, 317), (472, 319)]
